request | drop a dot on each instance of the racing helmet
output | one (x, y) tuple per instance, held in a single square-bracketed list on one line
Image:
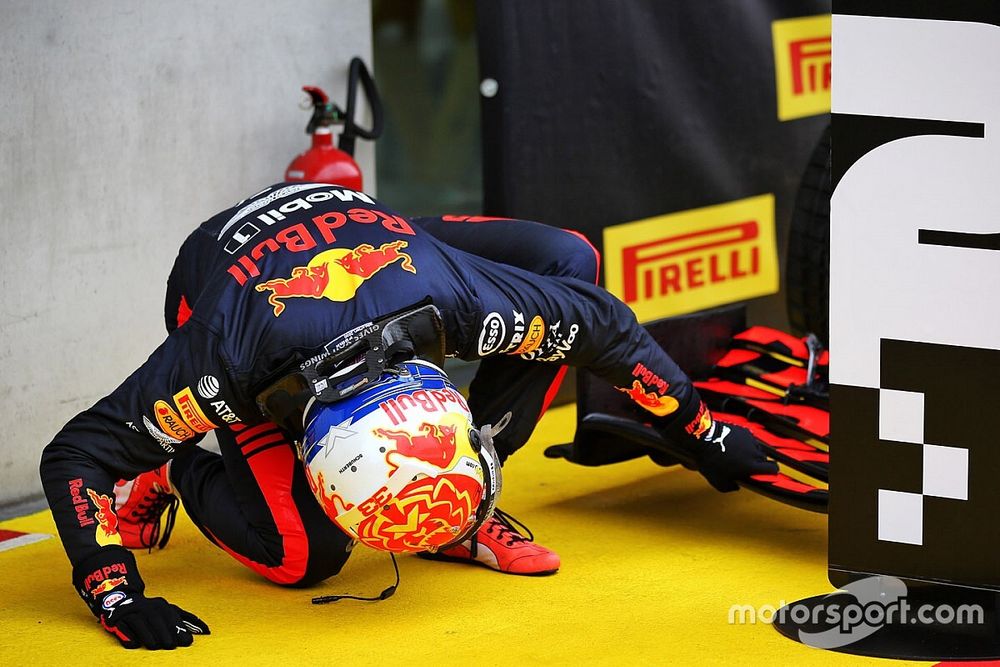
[(399, 465)]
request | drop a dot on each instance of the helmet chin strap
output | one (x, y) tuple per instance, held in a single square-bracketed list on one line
[(491, 466), (489, 431)]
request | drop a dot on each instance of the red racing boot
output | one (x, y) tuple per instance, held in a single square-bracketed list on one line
[(140, 503), (499, 546)]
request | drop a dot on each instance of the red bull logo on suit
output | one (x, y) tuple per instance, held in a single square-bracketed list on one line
[(108, 585), (661, 406), (335, 274), (107, 520)]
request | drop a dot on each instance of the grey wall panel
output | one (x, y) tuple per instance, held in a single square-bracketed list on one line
[(122, 126)]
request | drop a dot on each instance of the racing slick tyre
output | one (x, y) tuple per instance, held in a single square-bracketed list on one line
[(807, 272)]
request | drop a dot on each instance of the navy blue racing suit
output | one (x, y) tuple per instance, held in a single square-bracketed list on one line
[(260, 287)]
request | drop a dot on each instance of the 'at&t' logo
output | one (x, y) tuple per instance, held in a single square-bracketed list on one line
[(802, 65), (683, 262)]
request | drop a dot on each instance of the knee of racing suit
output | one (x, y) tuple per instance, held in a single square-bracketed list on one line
[(312, 556), (327, 554), (322, 566)]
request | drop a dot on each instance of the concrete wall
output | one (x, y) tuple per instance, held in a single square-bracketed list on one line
[(122, 126)]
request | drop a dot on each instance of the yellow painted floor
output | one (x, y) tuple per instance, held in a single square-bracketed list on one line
[(652, 561)]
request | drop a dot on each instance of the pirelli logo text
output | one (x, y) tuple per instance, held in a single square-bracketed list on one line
[(673, 264), (191, 412), (683, 262), (189, 419), (802, 65)]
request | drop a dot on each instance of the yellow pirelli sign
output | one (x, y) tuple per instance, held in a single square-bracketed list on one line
[(802, 65), (687, 261)]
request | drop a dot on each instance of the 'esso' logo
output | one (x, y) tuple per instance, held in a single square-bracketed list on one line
[(492, 334)]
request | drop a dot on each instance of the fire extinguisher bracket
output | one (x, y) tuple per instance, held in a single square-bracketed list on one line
[(323, 162)]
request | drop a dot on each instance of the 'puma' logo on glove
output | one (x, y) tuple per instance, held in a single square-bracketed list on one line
[(720, 441)]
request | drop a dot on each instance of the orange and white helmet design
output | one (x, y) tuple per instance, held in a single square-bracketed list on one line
[(400, 465)]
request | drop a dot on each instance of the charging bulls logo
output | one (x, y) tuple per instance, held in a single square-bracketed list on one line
[(306, 281), (701, 422), (435, 444), (108, 585), (107, 520), (335, 274), (661, 406)]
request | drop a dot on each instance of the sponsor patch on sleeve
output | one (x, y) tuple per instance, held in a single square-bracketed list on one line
[(191, 412)]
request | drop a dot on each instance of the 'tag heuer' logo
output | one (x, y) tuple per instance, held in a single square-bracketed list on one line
[(802, 65), (683, 262)]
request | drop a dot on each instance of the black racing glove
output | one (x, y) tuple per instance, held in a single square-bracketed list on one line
[(139, 621), (726, 453), (111, 586)]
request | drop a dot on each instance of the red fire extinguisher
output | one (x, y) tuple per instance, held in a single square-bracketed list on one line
[(325, 162)]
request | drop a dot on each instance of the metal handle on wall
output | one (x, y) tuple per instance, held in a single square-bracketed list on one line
[(359, 73)]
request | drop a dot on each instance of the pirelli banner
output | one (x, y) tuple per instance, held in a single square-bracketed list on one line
[(683, 262), (673, 134), (914, 306)]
